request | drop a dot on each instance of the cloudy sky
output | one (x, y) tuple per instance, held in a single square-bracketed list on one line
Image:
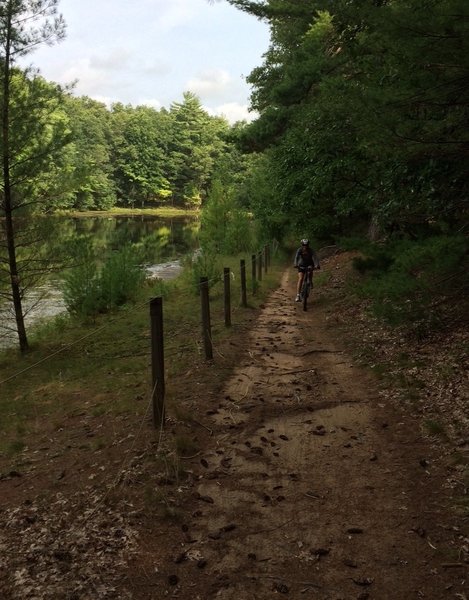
[(151, 51)]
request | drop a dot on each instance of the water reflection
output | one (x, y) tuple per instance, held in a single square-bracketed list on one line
[(161, 242)]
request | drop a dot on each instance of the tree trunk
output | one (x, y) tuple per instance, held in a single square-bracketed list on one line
[(374, 230), (7, 198)]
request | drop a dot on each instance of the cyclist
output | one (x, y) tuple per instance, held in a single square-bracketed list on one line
[(305, 257)]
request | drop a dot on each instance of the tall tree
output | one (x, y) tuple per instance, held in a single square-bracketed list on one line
[(139, 145), (196, 141), (26, 141), (89, 171)]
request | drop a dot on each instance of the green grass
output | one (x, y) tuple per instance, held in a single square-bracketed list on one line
[(101, 366), (163, 211)]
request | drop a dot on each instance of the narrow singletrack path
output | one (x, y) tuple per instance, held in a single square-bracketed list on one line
[(312, 485)]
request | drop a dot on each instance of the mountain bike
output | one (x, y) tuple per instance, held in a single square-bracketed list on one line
[(306, 287)]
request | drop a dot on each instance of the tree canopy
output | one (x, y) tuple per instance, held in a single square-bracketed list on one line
[(363, 111)]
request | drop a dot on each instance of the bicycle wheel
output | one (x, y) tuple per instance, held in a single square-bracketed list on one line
[(305, 294)]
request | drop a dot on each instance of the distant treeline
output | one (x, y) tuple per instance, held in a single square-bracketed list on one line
[(141, 156), (99, 157)]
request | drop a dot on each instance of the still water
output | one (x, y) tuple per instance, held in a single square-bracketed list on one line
[(162, 242)]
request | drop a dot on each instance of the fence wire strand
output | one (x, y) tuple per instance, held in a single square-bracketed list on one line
[(185, 289)]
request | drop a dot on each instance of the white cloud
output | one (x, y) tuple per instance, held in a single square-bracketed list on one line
[(89, 79), (174, 14), (213, 82), (233, 112), (116, 59), (105, 100), (156, 67)]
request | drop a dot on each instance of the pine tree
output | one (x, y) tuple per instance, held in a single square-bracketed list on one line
[(24, 24)]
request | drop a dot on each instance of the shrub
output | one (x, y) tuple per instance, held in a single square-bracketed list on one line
[(225, 226), (90, 289), (416, 283), (120, 278), (202, 264)]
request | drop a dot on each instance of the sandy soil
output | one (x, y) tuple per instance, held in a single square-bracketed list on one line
[(310, 486), (303, 481)]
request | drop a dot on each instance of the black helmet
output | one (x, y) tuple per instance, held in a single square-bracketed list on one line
[(304, 242)]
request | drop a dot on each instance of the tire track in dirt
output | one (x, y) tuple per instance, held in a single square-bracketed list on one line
[(310, 491)]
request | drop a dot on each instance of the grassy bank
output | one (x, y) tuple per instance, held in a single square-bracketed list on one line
[(163, 212), (101, 367)]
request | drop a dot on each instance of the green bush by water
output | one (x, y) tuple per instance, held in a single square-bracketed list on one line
[(226, 227), (203, 264), (90, 288)]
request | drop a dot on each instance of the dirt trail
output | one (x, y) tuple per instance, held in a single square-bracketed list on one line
[(303, 481), (312, 486)]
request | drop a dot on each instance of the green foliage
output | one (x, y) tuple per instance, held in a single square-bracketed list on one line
[(225, 227), (140, 136), (416, 283), (90, 289), (89, 172), (38, 134), (80, 283), (120, 278), (202, 264), (363, 107), (195, 145)]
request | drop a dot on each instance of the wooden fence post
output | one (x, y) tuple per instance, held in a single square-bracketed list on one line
[(259, 266), (206, 327), (253, 273), (244, 300), (157, 361), (227, 296), (266, 258)]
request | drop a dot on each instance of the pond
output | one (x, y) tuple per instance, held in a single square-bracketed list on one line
[(162, 243)]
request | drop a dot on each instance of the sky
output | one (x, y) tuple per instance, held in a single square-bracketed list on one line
[(151, 51)]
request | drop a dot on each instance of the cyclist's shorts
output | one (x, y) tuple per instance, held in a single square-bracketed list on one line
[(303, 269)]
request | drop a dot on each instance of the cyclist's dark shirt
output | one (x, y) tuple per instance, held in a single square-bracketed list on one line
[(306, 257)]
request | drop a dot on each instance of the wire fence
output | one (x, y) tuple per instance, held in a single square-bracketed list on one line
[(187, 290), (177, 346), (154, 398)]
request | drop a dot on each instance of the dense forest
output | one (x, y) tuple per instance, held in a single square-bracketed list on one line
[(364, 112), (126, 156), (362, 135), (61, 151)]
